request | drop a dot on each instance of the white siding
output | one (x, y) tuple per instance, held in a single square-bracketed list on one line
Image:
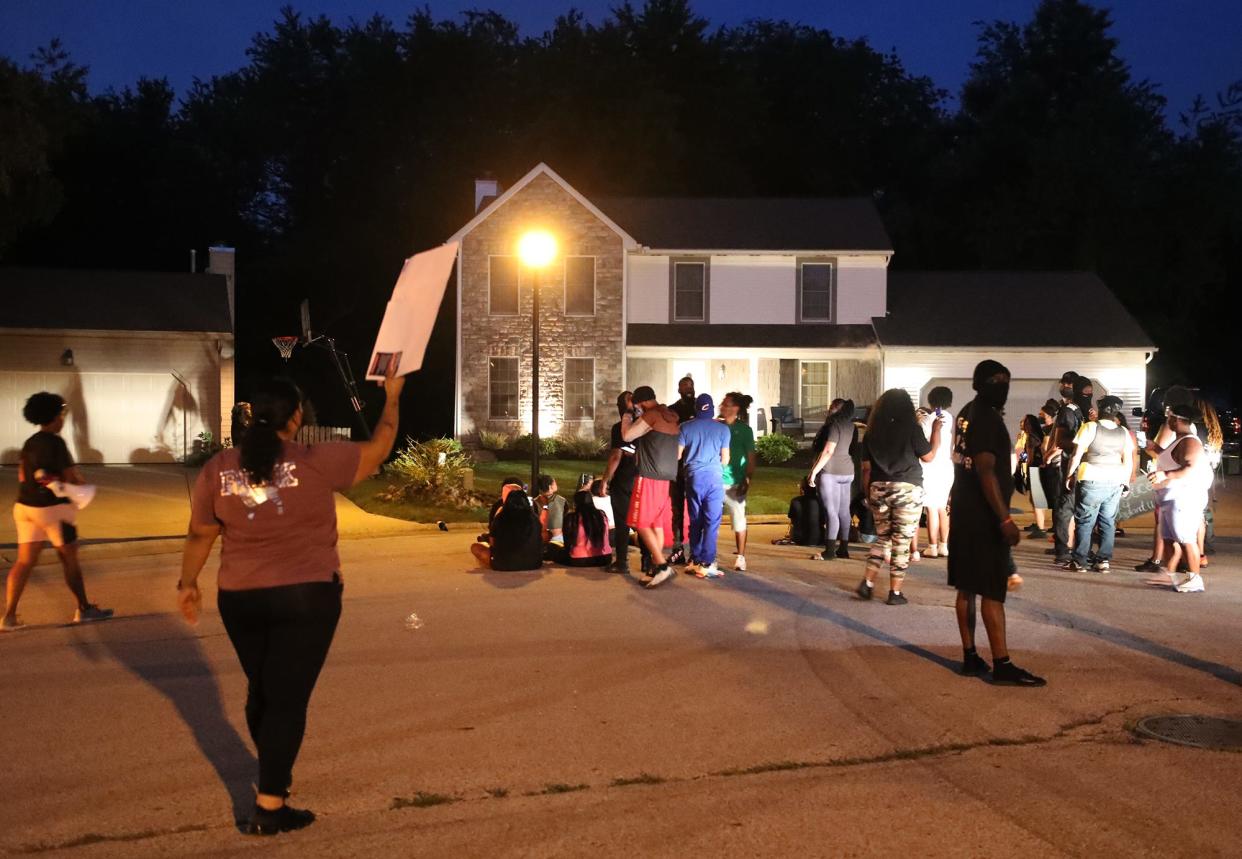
[(752, 290), (125, 405), (647, 282), (1122, 373), (862, 289)]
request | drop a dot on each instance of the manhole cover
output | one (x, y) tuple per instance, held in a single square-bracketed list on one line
[(1202, 732)]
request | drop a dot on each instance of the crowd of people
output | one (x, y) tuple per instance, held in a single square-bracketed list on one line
[(671, 474)]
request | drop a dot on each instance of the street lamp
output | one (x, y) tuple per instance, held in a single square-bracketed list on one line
[(536, 249)]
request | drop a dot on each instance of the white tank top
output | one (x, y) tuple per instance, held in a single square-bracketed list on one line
[(1200, 478)]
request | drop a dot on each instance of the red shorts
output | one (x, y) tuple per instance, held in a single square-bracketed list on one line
[(650, 506)]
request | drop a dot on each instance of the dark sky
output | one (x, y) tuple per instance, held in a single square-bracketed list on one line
[(1186, 46)]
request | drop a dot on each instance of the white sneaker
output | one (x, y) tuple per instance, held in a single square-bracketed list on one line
[(711, 571), (931, 552), (944, 550), (740, 564), (663, 575), (915, 556), (1192, 585)]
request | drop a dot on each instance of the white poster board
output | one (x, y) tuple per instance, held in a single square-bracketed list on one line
[(411, 312)]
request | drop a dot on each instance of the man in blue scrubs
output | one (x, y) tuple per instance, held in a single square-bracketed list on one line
[(703, 448)]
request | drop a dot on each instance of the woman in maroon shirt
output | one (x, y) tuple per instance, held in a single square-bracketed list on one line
[(279, 581)]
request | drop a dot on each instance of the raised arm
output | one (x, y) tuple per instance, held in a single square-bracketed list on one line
[(376, 449), (935, 439)]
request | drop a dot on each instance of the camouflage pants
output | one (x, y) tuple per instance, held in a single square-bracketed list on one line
[(896, 508)]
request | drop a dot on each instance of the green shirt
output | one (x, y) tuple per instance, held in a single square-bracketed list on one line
[(741, 447)]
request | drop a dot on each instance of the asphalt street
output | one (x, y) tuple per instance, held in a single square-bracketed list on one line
[(573, 713)]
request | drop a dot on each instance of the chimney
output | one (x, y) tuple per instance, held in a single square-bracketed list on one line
[(221, 260), (486, 189)]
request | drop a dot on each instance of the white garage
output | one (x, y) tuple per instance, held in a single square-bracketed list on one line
[(144, 359), (1038, 324)]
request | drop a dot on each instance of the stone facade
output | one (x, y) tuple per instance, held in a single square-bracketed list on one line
[(541, 204)]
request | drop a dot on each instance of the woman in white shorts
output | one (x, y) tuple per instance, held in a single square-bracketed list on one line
[(41, 515), (1182, 479), (938, 475)]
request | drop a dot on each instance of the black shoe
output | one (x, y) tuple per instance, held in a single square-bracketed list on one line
[(677, 556), (1148, 566), (618, 567), (843, 550), (1061, 562), (1008, 674), (645, 565), (283, 819), (1031, 528), (1038, 534), (974, 665), (895, 598), (1050, 551), (1074, 567), (864, 590)]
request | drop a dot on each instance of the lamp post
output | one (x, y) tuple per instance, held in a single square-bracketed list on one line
[(536, 249)]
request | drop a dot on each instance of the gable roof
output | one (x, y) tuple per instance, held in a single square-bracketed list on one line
[(540, 169), (113, 300), (1000, 309), (751, 223)]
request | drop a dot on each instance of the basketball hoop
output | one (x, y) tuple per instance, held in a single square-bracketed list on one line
[(285, 346)]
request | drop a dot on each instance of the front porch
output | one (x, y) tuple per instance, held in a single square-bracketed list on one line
[(803, 380)]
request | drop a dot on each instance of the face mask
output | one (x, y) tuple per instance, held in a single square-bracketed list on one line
[(1067, 391), (1084, 402), (994, 393)]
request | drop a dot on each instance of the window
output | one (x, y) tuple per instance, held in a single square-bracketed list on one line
[(502, 389), (579, 389), (502, 286), (815, 292), (814, 390), (689, 291), (579, 286)]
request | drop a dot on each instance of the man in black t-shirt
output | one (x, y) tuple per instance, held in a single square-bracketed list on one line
[(40, 514), (684, 408), (983, 533)]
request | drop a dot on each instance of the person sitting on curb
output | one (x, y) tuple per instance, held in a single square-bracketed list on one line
[(587, 543), (512, 542), (551, 508)]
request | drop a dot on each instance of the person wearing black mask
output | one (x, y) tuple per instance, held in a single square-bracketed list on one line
[(983, 534), (1076, 394)]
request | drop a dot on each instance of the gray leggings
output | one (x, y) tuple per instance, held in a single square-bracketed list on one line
[(834, 496)]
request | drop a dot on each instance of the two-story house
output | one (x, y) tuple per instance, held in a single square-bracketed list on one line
[(788, 300)]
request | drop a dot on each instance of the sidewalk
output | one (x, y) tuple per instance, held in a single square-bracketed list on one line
[(145, 510)]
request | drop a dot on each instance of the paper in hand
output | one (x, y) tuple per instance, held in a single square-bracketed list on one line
[(411, 313)]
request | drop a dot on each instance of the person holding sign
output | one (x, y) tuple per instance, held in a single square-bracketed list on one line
[(271, 500)]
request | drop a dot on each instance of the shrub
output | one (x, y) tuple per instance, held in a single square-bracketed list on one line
[(521, 446), (494, 441), (579, 447), (775, 448), (432, 471), (205, 447)]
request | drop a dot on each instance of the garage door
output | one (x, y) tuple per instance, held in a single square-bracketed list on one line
[(1026, 397), (113, 417)]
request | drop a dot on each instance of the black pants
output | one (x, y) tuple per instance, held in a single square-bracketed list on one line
[(1062, 517), (620, 499), (677, 494), (281, 636)]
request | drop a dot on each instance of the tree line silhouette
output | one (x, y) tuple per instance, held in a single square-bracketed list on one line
[(339, 149)]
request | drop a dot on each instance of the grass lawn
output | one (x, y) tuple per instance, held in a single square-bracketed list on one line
[(770, 489)]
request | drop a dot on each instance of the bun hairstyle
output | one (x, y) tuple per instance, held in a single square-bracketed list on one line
[(272, 406), (742, 402), (43, 408)]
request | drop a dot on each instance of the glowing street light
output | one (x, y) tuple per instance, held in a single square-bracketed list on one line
[(536, 249)]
